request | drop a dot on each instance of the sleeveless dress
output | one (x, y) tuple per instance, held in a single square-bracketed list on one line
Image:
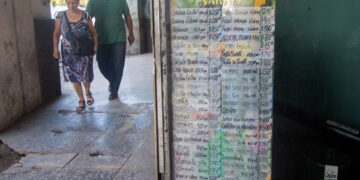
[(75, 68)]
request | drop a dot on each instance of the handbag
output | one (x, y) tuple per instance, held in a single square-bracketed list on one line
[(82, 45)]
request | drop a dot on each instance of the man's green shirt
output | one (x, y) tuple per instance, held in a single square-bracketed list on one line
[(109, 21)]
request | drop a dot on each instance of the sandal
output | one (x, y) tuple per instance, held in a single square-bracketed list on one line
[(81, 106), (90, 100)]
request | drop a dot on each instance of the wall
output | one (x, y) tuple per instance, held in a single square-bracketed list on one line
[(11, 96), (317, 60), (47, 65), (316, 70), (27, 54), (19, 73), (134, 48), (144, 25), (41, 9)]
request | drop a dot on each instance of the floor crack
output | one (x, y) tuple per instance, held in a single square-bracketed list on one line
[(66, 163), (96, 138), (117, 172)]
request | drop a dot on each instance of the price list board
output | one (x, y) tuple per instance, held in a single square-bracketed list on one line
[(222, 55)]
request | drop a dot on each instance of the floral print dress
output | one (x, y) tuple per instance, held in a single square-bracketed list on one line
[(76, 68)]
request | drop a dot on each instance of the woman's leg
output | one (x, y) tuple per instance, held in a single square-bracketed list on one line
[(87, 87), (90, 99), (79, 92)]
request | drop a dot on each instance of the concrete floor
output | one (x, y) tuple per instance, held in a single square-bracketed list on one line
[(109, 140)]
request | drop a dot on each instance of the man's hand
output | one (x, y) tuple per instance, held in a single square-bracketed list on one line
[(129, 25), (131, 39)]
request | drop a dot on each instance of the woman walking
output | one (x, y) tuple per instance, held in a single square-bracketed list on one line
[(77, 69)]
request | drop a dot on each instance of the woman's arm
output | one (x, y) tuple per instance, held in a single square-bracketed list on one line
[(93, 34), (56, 37)]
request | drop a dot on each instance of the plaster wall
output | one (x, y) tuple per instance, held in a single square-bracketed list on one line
[(11, 93), (40, 9), (135, 47), (27, 54), (19, 74)]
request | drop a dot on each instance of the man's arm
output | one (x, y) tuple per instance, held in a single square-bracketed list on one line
[(129, 25)]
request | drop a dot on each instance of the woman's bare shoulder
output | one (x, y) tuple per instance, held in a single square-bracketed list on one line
[(59, 14)]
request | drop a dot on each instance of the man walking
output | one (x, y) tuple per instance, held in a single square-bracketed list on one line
[(110, 28)]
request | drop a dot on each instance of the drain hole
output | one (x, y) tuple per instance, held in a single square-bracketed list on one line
[(96, 154), (56, 132)]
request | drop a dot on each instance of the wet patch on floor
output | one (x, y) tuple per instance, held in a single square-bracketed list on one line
[(117, 108), (8, 157), (65, 112)]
